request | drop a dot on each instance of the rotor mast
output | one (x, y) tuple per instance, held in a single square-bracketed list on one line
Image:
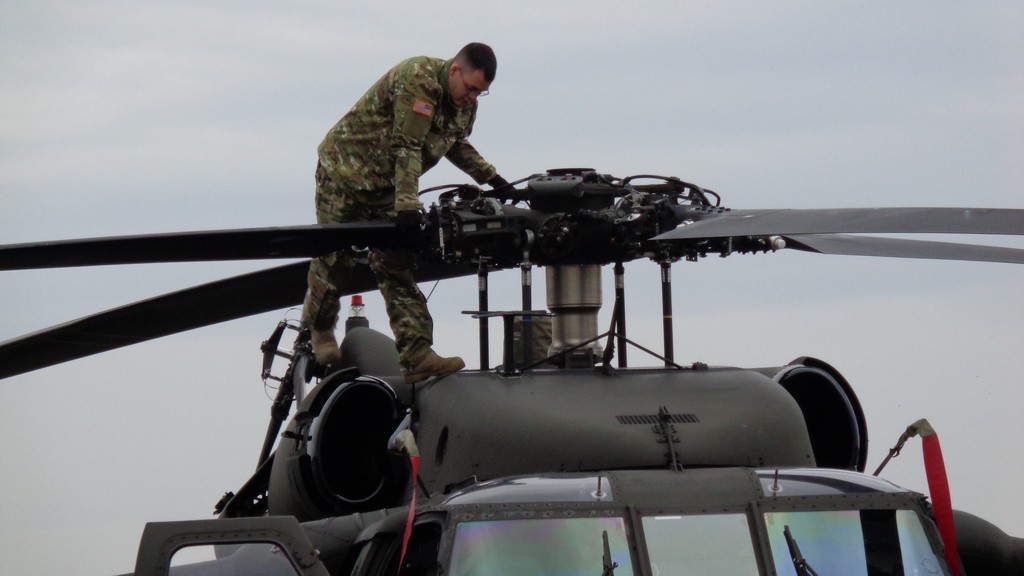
[(574, 296)]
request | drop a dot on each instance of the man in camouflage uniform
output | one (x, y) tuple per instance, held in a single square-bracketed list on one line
[(369, 169)]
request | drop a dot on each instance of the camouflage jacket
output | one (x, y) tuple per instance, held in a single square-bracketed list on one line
[(398, 130)]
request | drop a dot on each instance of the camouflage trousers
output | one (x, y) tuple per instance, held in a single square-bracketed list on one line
[(330, 275)]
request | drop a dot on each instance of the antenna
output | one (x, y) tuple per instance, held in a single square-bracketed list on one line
[(775, 487)]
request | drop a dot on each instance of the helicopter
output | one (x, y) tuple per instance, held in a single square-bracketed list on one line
[(557, 458)]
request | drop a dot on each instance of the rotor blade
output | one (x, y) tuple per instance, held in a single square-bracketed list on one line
[(180, 311), (243, 244), (202, 305), (902, 248), (852, 221)]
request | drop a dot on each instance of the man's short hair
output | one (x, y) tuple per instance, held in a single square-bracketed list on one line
[(479, 57)]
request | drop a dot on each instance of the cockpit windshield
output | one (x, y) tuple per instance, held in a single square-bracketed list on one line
[(852, 542), (861, 542), (540, 547)]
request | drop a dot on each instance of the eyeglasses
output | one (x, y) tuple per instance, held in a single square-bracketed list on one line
[(472, 90)]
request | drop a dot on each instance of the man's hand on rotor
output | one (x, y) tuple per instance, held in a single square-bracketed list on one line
[(500, 188), (409, 221)]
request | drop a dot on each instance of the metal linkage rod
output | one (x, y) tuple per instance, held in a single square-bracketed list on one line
[(485, 342), (666, 310), (620, 312)]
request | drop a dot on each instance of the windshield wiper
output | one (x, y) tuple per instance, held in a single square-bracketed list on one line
[(606, 558), (799, 562)]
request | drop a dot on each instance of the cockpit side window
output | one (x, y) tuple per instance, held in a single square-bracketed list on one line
[(379, 557), (421, 555)]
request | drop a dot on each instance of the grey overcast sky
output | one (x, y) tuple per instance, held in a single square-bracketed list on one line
[(121, 117)]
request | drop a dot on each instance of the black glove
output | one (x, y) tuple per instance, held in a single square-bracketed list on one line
[(500, 187), (409, 221), (498, 182)]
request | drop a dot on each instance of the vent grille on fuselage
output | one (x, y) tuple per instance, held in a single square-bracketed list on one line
[(654, 419)]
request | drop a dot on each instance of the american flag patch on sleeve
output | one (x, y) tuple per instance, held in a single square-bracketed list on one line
[(423, 107)]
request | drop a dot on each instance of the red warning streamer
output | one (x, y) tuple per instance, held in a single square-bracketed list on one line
[(938, 486), (415, 462)]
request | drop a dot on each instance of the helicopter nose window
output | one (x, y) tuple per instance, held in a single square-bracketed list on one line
[(540, 547), (712, 545)]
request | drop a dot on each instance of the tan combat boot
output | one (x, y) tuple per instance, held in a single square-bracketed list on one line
[(325, 346), (433, 365), (321, 321)]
